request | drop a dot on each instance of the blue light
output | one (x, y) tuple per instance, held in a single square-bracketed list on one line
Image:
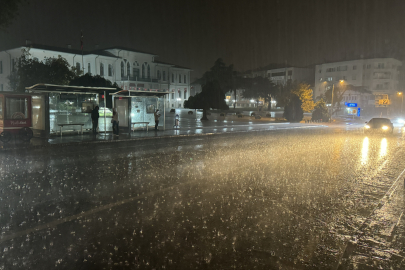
[(351, 104)]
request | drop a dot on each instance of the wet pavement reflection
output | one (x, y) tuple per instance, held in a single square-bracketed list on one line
[(283, 199)]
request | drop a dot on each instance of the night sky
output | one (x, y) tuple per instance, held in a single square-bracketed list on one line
[(194, 33)]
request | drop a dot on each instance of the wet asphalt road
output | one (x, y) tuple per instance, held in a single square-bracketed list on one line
[(282, 199)]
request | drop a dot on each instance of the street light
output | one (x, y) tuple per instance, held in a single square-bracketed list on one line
[(402, 96)]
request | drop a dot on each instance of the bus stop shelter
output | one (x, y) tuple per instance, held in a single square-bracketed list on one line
[(136, 107), (57, 108)]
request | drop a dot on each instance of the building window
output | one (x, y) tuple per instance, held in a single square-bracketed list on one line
[(135, 73), (128, 69), (88, 68), (330, 70), (354, 67), (122, 69), (320, 71), (101, 69), (380, 66), (329, 79), (185, 81), (179, 78), (368, 66), (78, 66), (172, 105), (172, 95), (158, 74), (110, 70), (179, 94), (148, 71), (164, 75), (353, 77), (172, 78), (342, 68), (185, 94), (1, 89), (1, 67), (344, 78)]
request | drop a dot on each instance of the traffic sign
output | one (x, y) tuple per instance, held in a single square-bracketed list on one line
[(351, 104)]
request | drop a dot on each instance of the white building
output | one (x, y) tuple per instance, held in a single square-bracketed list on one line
[(283, 75), (378, 75), (130, 69)]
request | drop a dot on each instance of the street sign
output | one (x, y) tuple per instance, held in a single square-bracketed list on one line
[(351, 104), (384, 102)]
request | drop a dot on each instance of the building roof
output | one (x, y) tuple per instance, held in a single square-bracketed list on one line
[(43, 87), (173, 65), (127, 49)]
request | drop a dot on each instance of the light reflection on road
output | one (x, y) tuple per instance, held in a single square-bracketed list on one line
[(364, 151), (383, 150)]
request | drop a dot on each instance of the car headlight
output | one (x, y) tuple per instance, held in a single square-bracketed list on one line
[(384, 127), (367, 126)]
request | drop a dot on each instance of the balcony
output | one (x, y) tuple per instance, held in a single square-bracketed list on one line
[(139, 79)]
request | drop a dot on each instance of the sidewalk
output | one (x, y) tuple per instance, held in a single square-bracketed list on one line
[(189, 129)]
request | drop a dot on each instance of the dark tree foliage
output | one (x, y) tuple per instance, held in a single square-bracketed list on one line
[(259, 88), (215, 83), (8, 11), (96, 81), (30, 71), (293, 110), (320, 112)]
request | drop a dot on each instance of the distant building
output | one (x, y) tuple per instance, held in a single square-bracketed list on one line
[(129, 68), (378, 75)]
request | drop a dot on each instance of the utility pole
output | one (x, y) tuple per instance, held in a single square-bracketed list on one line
[(333, 89)]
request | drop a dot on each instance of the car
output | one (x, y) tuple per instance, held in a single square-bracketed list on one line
[(381, 125)]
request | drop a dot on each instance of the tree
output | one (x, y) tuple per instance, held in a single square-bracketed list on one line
[(304, 92), (96, 81), (30, 71), (259, 88), (338, 91), (293, 110), (320, 111), (8, 11), (215, 83)]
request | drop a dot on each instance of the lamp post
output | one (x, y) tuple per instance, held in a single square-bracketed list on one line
[(402, 96)]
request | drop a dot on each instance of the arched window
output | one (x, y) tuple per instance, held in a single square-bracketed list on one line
[(135, 70), (101, 69), (122, 69), (128, 69), (148, 71), (88, 68), (179, 78), (158, 74), (110, 70), (143, 71)]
